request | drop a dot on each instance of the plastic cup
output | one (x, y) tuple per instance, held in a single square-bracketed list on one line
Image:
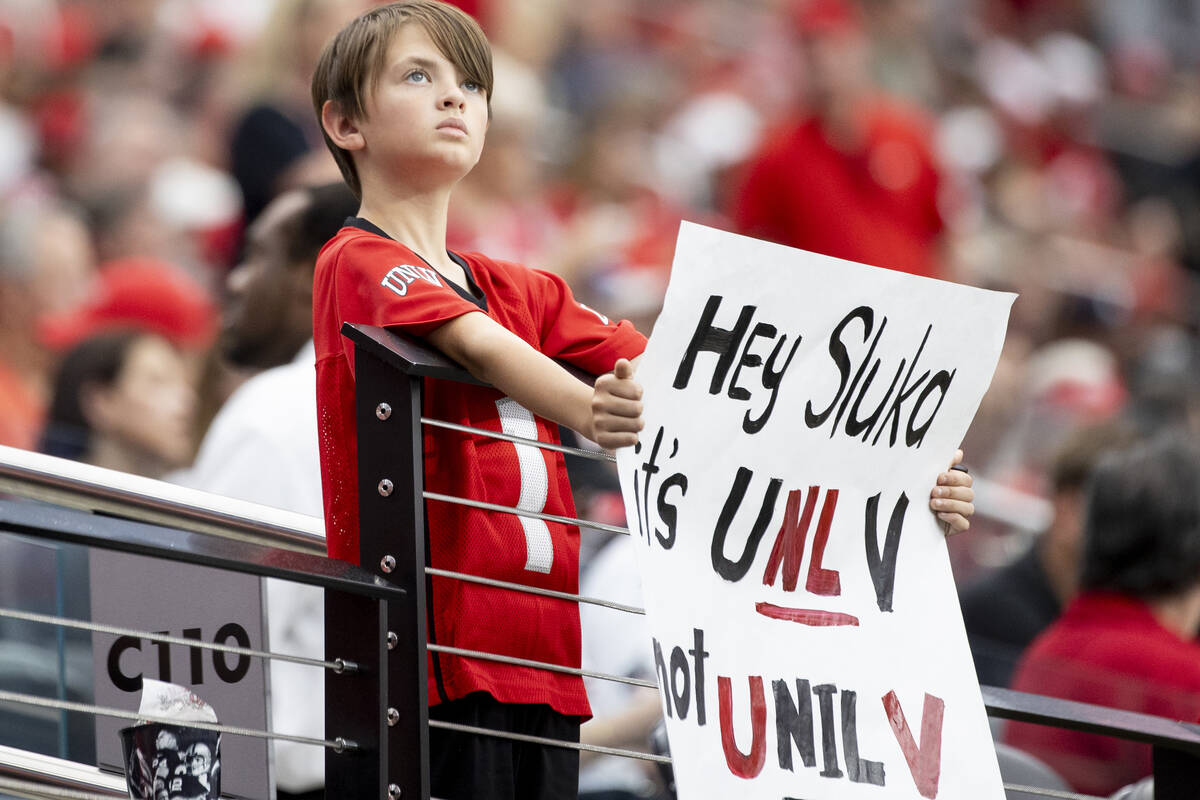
[(171, 762)]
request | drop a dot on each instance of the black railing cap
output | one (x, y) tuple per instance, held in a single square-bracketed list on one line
[(1053, 711), (409, 355), (416, 358)]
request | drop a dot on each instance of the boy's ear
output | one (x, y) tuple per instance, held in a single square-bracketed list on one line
[(341, 129)]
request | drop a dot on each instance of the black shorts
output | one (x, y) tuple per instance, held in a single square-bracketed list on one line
[(467, 766)]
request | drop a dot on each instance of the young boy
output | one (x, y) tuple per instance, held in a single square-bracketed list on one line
[(403, 96)]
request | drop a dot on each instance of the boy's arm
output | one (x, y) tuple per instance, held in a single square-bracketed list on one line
[(490, 352), (611, 412)]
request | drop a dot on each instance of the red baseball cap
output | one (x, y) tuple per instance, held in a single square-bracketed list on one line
[(142, 293)]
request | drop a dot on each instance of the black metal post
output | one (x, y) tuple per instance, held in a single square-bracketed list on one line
[(392, 545), (355, 632), (1175, 774)]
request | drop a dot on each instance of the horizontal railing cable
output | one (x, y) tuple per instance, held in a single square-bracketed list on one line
[(525, 662), (520, 587), (39, 790), (583, 523), (1056, 793), (595, 455), (992, 499), (524, 737), (66, 482), (338, 665), (339, 744)]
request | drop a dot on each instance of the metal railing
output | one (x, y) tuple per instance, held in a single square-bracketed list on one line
[(90, 488), (377, 721), (389, 374), (228, 538)]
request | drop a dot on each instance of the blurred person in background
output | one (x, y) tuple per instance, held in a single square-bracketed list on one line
[(619, 229), (275, 144), (122, 400), (1068, 383), (1005, 610), (1128, 639), (141, 293), (852, 175), (128, 127), (262, 445), (46, 266), (503, 206)]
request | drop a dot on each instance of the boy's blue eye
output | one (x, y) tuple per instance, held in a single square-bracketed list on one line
[(471, 86), (417, 76)]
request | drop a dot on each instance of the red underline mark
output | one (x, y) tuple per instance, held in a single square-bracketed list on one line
[(805, 616)]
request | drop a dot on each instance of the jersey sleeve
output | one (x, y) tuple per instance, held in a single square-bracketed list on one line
[(577, 333), (380, 282)]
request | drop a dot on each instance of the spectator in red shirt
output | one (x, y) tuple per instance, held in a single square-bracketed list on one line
[(1128, 640), (853, 175)]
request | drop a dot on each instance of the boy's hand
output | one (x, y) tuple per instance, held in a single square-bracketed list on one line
[(952, 498), (617, 407)]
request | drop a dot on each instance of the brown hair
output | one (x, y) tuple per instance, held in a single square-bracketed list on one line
[(351, 63)]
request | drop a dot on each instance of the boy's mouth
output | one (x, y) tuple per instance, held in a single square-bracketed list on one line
[(453, 123)]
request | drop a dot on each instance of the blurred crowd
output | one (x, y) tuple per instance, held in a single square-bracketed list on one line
[(1049, 147), (1046, 147)]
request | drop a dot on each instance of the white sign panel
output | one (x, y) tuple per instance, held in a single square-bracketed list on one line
[(191, 602), (806, 630)]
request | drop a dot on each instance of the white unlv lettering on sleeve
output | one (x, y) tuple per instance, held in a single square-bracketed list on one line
[(599, 316), (516, 420), (398, 278)]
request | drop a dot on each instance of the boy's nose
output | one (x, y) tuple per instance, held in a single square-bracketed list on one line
[(454, 97)]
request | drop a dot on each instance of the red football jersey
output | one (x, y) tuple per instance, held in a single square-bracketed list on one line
[(364, 276)]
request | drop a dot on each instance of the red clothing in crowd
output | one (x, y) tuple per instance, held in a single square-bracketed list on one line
[(364, 276), (876, 206), (1109, 650), (20, 413)]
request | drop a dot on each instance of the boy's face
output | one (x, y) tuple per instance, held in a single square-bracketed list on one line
[(425, 122)]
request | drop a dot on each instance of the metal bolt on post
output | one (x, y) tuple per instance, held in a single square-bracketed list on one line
[(386, 487), (383, 411), (387, 563)]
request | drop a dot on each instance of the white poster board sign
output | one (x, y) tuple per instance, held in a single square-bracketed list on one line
[(806, 630)]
